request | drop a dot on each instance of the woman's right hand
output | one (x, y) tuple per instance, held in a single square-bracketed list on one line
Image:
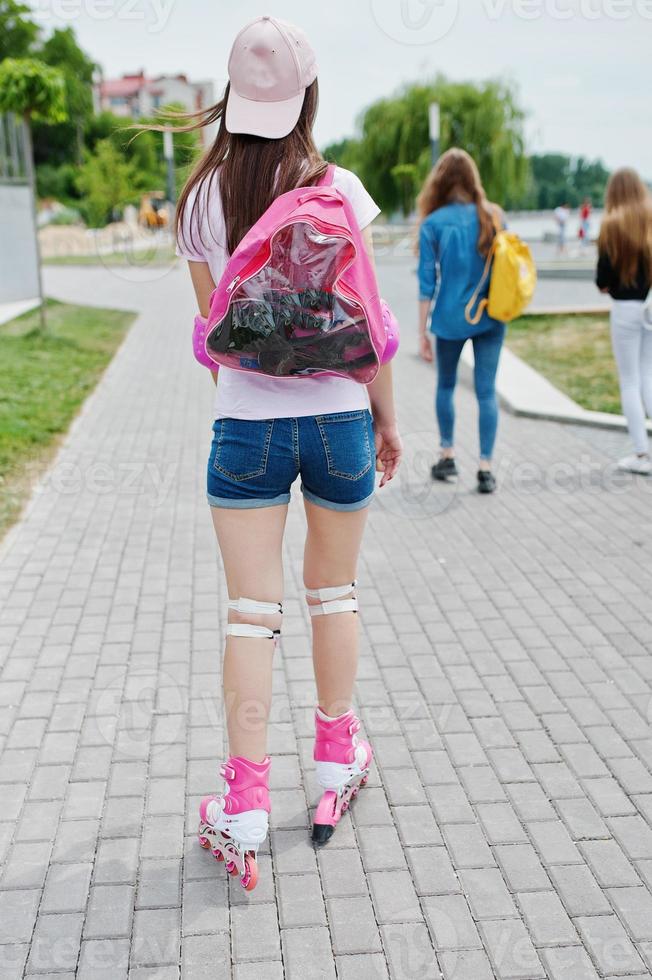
[(425, 348), (389, 449)]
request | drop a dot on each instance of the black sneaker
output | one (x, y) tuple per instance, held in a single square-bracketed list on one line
[(486, 481), (444, 469)]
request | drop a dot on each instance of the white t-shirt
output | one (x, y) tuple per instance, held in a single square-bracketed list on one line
[(242, 395)]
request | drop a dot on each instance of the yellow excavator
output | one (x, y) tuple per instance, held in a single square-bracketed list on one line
[(153, 211)]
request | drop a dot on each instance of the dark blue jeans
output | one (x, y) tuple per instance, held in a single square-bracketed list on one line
[(486, 350)]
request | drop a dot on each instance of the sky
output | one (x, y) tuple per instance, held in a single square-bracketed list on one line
[(582, 67)]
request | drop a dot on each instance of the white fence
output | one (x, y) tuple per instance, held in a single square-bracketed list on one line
[(18, 254)]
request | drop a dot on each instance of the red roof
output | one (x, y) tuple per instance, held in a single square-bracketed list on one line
[(123, 87)]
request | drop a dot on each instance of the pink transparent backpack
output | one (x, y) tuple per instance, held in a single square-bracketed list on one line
[(299, 295)]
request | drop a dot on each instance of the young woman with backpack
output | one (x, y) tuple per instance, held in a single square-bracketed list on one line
[(457, 229), (625, 272), (329, 429)]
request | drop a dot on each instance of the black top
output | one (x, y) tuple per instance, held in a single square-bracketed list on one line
[(607, 278)]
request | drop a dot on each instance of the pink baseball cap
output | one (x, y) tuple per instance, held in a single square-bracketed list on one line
[(270, 67)]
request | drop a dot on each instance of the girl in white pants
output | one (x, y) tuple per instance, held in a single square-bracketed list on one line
[(625, 272)]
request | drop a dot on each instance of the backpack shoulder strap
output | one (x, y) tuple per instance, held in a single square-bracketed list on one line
[(329, 176)]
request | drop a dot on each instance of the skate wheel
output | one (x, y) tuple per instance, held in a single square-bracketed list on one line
[(204, 842), (249, 879), (345, 806), (218, 855), (231, 868), (354, 792), (363, 781)]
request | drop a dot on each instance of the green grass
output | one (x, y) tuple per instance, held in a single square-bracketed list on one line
[(574, 352), (135, 258), (44, 379)]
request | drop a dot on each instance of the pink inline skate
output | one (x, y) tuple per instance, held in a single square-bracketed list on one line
[(342, 768), (233, 824)]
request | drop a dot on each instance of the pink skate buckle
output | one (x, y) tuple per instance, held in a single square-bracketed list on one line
[(227, 772), (354, 727)]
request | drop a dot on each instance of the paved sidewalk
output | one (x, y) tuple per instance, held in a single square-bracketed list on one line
[(505, 683)]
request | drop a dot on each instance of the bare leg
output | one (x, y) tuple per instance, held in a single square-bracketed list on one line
[(251, 543), (330, 559)]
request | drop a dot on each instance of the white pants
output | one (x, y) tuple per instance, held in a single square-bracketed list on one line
[(632, 345)]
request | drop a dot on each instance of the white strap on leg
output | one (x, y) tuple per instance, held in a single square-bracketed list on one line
[(253, 606), (331, 600)]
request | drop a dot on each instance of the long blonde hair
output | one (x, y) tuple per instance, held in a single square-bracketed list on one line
[(626, 232), (456, 177)]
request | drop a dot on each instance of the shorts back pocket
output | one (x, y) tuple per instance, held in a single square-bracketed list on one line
[(346, 443), (241, 447)]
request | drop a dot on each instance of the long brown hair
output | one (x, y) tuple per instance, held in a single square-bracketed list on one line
[(253, 171), (626, 232), (455, 177)]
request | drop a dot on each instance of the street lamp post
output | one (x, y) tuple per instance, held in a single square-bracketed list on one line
[(434, 131), (168, 153)]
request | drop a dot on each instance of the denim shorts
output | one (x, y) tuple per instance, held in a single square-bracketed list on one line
[(254, 463)]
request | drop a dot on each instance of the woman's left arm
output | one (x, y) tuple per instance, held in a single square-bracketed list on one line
[(203, 284)]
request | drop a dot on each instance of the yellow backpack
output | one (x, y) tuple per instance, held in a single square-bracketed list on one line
[(513, 278)]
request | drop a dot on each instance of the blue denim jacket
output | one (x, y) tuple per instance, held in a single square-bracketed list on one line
[(450, 268)]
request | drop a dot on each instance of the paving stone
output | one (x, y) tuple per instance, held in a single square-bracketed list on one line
[(582, 820), (521, 867), (369, 966), (66, 888), (547, 922), (552, 841), (205, 906), (159, 883), (103, 959), (353, 926), (307, 954), (468, 846), (579, 890), (500, 824), (432, 871), (341, 873), (634, 906), (409, 951), (206, 958), (465, 964), (156, 937), (255, 934), (394, 897), (510, 949), (568, 963), (55, 943), (486, 893), (609, 944), (416, 826), (450, 922), (609, 865), (262, 970), (18, 910), (381, 849), (301, 902), (109, 912)]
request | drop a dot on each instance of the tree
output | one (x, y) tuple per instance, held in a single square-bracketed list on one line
[(17, 32), (32, 90), (483, 119), (558, 179), (106, 182), (66, 144)]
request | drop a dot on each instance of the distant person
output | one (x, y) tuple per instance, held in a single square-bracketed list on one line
[(458, 225), (585, 222), (562, 214), (625, 272)]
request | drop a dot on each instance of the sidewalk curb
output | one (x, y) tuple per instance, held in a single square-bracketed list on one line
[(523, 391)]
